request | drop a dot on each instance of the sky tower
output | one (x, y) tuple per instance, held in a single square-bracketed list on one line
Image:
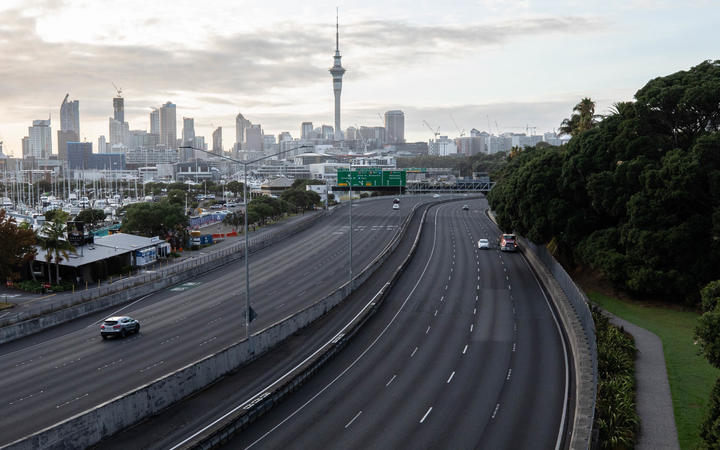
[(337, 72)]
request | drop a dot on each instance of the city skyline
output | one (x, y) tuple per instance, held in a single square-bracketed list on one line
[(514, 63)]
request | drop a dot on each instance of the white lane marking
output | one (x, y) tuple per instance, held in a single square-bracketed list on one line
[(110, 364), (478, 287), (474, 311), (507, 277), (426, 414), (208, 341), (436, 312), (514, 345), (442, 298), (476, 297), (26, 397), (508, 375), (413, 353), (391, 380), (478, 277), (372, 344), (151, 366), (114, 313), (446, 287), (428, 330), (353, 419), (451, 377), (471, 327), (465, 349), (496, 410), (449, 278), (70, 401), (170, 340)]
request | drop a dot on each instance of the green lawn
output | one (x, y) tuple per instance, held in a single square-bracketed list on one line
[(691, 376)]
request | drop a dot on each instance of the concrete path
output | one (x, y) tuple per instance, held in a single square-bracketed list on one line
[(654, 401)]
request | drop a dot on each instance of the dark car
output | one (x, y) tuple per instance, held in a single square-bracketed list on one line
[(119, 326)]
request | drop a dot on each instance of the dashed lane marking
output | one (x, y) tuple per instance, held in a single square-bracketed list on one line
[(426, 414)]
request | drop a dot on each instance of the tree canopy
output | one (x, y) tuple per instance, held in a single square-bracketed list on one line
[(154, 219), (637, 195), (91, 216), (16, 246)]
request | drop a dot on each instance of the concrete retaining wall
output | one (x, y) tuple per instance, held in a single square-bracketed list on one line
[(89, 427), (97, 299)]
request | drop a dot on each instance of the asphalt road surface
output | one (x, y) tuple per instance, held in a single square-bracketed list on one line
[(55, 375), (466, 352)]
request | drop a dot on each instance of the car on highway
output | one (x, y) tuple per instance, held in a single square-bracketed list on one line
[(396, 206), (436, 195), (119, 326), (507, 242), (483, 243), (396, 200), (465, 207)]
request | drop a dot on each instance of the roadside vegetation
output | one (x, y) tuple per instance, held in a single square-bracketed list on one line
[(616, 420), (635, 197)]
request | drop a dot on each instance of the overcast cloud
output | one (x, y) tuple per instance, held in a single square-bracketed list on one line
[(526, 68)]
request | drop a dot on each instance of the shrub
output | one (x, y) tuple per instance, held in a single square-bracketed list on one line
[(615, 417)]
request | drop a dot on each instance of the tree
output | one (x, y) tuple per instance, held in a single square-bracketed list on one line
[(707, 334), (54, 242), (235, 187), (91, 216), (17, 246), (235, 219), (156, 219), (56, 215), (582, 119)]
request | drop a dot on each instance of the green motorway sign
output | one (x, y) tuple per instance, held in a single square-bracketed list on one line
[(371, 177)]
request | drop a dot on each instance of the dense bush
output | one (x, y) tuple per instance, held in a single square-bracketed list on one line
[(615, 417)]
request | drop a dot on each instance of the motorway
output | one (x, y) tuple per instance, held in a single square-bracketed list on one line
[(465, 352), (50, 377)]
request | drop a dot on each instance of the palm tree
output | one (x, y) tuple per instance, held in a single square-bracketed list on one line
[(54, 243), (582, 119)]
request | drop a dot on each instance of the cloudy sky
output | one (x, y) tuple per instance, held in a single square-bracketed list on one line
[(516, 63)]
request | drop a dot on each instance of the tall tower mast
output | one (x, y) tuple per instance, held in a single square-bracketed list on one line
[(337, 72)]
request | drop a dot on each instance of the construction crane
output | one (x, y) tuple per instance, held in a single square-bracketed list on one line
[(119, 90), (461, 132), (434, 132)]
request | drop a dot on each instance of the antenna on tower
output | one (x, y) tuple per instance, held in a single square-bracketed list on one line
[(119, 90), (337, 29)]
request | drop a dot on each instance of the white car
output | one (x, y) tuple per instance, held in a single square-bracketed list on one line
[(483, 243), (436, 195), (396, 206)]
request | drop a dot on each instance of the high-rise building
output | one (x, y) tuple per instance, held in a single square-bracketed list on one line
[(155, 121), (188, 132), (69, 125), (102, 145), (119, 109), (394, 127), (254, 139), (40, 143), (241, 126), (337, 72), (307, 129), (119, 133), (217, 141), (168, 126), (327, 132), (25, 147)]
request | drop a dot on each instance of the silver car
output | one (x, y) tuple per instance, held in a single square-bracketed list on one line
[(119, 326), (483, 243)]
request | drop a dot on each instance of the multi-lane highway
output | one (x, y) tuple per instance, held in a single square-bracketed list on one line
[(465, 353), (46, 380)]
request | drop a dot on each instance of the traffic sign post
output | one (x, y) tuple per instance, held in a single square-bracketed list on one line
[(366, 178)]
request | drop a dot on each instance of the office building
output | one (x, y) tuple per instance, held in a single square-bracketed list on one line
[(81, 157), (217, 147), (40, 139), (69, 125), (102, 145), (26, 147), (168, 126), (119, 109), (188, 131), (306, 131), (253, 139), (241, 126), (326, 131), (155, 121), (337, 72), (394, 127), (471, 145)]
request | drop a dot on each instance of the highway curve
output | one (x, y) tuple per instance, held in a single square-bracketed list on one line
[(465, 353), (48, 378)]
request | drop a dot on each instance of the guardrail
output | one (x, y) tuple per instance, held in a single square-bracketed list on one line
[(88, 428), (66, 308)]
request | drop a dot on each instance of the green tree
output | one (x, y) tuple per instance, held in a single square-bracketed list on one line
[(54, 241), (156, 219), (582, 119), (235, 187), (235, 219), (707, 334), (17, 246), (91, 217), (56, 215)]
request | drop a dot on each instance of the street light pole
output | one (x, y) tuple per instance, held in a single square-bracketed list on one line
[(351, 228), (247, 252)]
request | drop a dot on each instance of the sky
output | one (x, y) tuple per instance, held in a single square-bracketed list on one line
[(494, 65)]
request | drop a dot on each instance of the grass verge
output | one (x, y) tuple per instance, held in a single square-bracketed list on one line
[(691, 376)]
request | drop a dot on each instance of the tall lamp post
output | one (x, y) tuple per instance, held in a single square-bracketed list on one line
[(245, 164)]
